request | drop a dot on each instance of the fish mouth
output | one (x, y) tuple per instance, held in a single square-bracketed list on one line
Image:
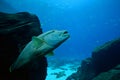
[(65, 32)]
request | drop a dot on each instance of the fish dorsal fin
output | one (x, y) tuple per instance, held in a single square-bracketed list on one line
[(37, 42), (50, 54)]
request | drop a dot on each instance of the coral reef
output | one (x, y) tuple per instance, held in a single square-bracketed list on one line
[(102, 64), (16, 31)]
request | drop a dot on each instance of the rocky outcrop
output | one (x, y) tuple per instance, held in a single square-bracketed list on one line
[(85, 72), (104, 59), (113, 74), (107, 56), (16, 30)]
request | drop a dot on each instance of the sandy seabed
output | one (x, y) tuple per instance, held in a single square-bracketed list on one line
[(60, 73)]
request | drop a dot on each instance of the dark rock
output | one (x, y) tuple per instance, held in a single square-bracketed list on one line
[(113, 74), (87, 69), (106, 56), (85, 72), (16, 30)]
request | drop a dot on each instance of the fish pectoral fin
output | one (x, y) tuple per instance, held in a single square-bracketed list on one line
[(50, 54), (37, 42)]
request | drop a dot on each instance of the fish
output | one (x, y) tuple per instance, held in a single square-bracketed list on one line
[(40, 46)]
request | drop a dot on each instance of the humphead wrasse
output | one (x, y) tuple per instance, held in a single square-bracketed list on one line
[(40, 46)]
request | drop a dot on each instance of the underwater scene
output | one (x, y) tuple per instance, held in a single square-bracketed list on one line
[(59, 40)]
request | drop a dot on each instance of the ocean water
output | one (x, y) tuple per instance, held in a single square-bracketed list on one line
[(89, 22)]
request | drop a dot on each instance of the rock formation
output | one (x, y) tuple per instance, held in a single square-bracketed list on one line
[(102, 64), (16, 30), (113, 74), (107, 56)]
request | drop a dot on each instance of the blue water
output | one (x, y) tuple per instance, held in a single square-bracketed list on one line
[(89, 22)]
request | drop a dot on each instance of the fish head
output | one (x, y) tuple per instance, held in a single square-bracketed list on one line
[(56, 37)]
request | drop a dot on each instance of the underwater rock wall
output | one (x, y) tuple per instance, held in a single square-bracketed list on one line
[(103, 65), (16, 30), (113, 74), (106, 56)]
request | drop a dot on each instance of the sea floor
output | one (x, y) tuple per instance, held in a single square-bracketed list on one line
[(61, 72)]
